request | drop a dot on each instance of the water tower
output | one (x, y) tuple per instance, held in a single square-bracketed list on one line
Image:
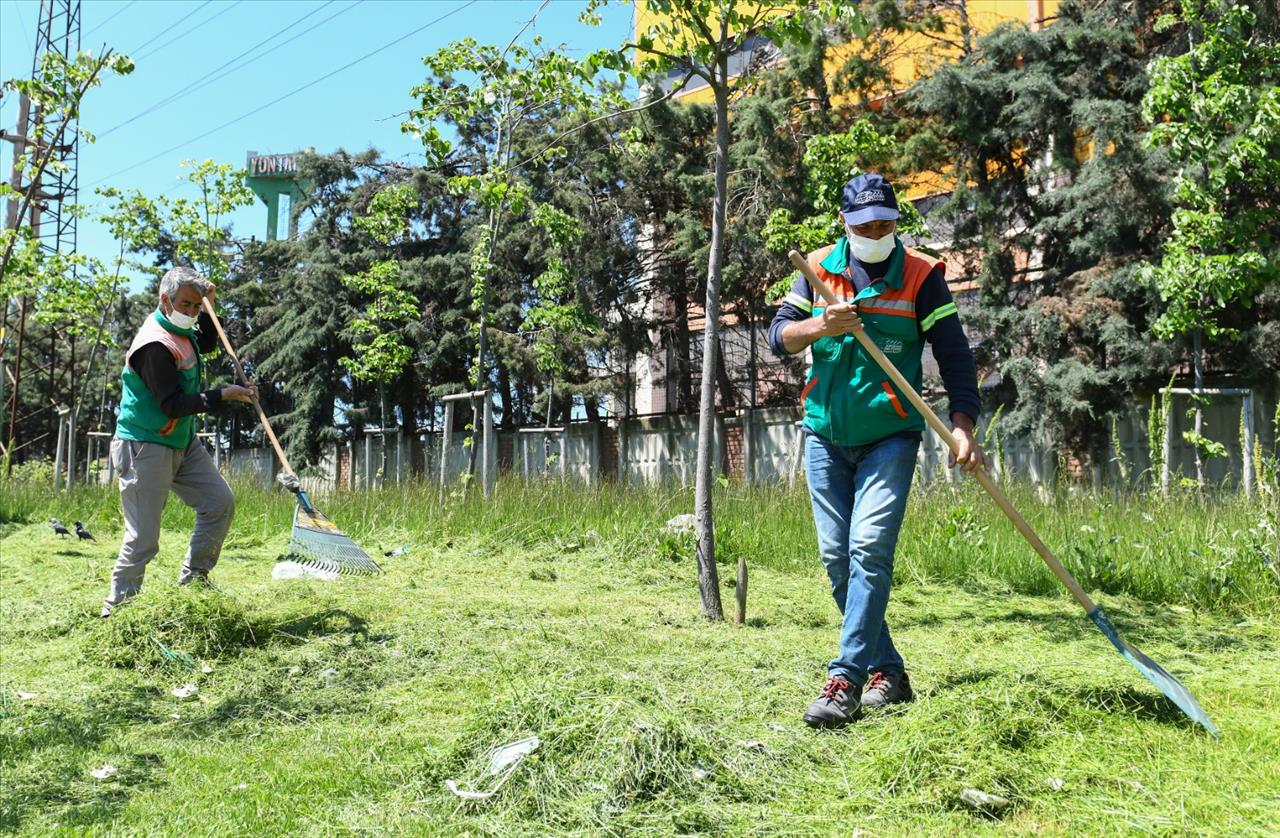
[(273, 177)]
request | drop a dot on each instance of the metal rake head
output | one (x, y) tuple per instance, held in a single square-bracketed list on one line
[(1156, 674), (317, 543)]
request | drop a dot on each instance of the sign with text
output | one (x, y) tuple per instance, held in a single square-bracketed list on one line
[(277, 165)]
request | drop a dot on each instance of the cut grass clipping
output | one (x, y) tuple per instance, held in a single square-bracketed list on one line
[(169, 628), (567, 614)]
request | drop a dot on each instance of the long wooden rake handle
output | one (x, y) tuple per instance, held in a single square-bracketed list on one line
[(262, 417), (941, 429)]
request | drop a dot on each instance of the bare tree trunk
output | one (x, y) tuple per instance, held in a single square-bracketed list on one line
[(708, 578)]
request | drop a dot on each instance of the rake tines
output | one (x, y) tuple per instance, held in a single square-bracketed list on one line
[(317, 543)]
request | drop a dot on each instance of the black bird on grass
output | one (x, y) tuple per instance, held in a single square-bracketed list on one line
[(59, 527), (84, 534)]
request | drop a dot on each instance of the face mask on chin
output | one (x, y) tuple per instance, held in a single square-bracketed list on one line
[(871, 250)]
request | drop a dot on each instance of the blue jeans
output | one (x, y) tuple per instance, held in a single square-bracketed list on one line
[(859, 498)]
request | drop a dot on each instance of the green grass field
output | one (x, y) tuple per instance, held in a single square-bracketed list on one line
[(341, 707)]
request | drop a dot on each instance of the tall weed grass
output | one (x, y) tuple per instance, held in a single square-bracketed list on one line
[(1214, 552)]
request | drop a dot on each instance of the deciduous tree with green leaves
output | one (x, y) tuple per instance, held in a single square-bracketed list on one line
[(379, 352), (698, 39), (1215, 110), (488, 94), (56, 91)]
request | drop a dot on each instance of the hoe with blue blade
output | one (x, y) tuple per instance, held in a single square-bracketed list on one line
[(316, 542), (1155, 673)]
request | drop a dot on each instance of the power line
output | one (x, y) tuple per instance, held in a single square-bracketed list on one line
[(206, 79), (22, 24), (167, 29), (176, 38), (294, 92), (119, 11)]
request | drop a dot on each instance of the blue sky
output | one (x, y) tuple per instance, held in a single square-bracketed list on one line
[(355, 109)]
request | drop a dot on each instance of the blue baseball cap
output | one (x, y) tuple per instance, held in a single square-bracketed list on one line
[(866, 198)]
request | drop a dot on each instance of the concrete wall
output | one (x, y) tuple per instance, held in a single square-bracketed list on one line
[(762, 446)]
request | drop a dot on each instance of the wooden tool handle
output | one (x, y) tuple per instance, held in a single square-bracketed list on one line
[(262, 417), (941, 429)]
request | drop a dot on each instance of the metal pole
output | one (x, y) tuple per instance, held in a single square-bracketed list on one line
[(71, 449), (563, 453), (1246, 460), (90, 450), (444, 446), (57, 458), (594, 474), (623, 442), (368, 461), (489, 449), (1166, 470)]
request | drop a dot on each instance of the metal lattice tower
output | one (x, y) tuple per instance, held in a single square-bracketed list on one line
[(55, 192), (52, 217)]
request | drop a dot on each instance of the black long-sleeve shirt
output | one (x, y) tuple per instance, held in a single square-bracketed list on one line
[(154, 363), (935, 317)]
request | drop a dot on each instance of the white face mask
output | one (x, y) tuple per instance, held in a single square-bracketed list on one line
[(871, 250), (182, 321)]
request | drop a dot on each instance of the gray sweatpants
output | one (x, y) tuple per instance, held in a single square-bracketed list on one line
[(147, 472)]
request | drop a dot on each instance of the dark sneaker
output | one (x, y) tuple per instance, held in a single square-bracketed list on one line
[(887, 688), (837, 705), (200, 580)]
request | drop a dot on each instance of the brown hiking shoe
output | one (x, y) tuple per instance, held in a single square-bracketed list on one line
[(887, 688), (837, 705)]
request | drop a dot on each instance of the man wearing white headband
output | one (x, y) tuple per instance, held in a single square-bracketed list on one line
[(155, 447), (861, 436)]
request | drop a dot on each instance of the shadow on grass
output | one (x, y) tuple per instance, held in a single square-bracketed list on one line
[(326, 623), (1136, 623), (1140, 703), (965, 679), (49, 750)]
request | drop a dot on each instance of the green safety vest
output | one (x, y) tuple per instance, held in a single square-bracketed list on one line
[(847, 398), (141, 418)]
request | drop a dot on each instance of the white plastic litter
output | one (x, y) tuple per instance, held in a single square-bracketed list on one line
[(185, 691), (26, 696), (1057, 783), (293, 570), (206, 668), (681, 523), (983, 802), (106, 772), (503, 761), (329, 675)]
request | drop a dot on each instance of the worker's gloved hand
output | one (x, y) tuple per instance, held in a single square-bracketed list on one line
[(289, 481), (236, 393)]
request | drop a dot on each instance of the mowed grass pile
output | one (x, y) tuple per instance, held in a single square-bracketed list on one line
[(569, 614)]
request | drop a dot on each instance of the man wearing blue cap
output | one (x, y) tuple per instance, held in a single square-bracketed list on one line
[(861, 436)]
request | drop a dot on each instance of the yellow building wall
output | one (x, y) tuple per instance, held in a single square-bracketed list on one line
[(914, 54)]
